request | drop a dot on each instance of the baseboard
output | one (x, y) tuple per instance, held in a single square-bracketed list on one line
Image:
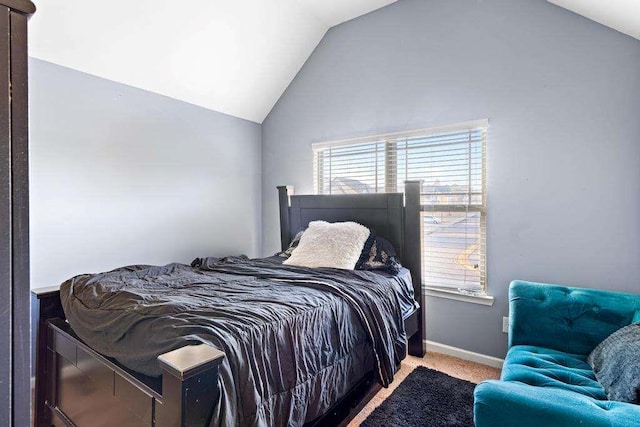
[(464, 354)]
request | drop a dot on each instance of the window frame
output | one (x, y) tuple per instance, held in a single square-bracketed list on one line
[(390, 172)]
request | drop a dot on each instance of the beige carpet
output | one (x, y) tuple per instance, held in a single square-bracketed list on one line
[(453, 366)]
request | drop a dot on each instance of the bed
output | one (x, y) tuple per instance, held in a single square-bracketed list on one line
[(306, 366)]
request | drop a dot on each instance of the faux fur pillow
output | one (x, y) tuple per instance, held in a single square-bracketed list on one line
[(335, 245)]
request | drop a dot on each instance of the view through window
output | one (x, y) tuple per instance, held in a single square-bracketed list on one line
[(450, 163)]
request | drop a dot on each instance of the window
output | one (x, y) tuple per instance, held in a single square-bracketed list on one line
[(450, 163)]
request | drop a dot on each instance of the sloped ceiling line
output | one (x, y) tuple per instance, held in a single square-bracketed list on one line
[(621, 15)]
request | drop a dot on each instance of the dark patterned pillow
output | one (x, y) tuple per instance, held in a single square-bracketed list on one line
[(378, 254), (294, 244), (366, 249), (616, 364)]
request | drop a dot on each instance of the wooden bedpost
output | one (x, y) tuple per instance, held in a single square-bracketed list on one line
[(412, 258), (189, 385), (284, 191)]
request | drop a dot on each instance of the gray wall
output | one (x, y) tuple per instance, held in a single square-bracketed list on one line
[(122, 176), (562, 95)]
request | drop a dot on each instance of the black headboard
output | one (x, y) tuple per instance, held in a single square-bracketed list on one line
[(383, 213), (394, 216)]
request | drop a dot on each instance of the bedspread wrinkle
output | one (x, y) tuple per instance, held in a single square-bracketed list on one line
[(296, 339)]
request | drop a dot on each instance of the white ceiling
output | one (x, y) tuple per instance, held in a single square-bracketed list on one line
[(232, 56), (622, 15)]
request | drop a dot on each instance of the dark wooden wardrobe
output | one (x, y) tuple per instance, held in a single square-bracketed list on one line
[(14, 215)]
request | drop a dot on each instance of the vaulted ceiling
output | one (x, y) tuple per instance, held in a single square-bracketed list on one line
[(232, 56)]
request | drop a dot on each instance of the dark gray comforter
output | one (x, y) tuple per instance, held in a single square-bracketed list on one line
[(296, 339)]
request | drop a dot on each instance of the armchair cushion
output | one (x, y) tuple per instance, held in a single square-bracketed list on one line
[(543, 367)]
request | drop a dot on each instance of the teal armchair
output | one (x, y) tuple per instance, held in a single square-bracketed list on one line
[(546, 380)]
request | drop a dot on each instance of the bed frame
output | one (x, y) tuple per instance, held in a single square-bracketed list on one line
[(394, 216), (75, 385)]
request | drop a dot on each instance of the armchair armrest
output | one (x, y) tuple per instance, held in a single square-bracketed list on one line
[(513, 404), (573, 320)]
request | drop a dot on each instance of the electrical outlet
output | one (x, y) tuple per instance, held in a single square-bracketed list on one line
[(505, 325)]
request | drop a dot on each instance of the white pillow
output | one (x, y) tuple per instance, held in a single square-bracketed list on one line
[(335, 245)]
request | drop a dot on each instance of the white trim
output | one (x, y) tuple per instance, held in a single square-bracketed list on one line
[(460, 353), (458, 296), (475, 124)]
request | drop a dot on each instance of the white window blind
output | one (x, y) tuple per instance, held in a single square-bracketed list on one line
[(450, 162), (357, 168)]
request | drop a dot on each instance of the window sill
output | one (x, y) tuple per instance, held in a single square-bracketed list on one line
[(457, 296)]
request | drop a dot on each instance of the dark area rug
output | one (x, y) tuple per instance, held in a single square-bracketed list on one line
[(426, 398)]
